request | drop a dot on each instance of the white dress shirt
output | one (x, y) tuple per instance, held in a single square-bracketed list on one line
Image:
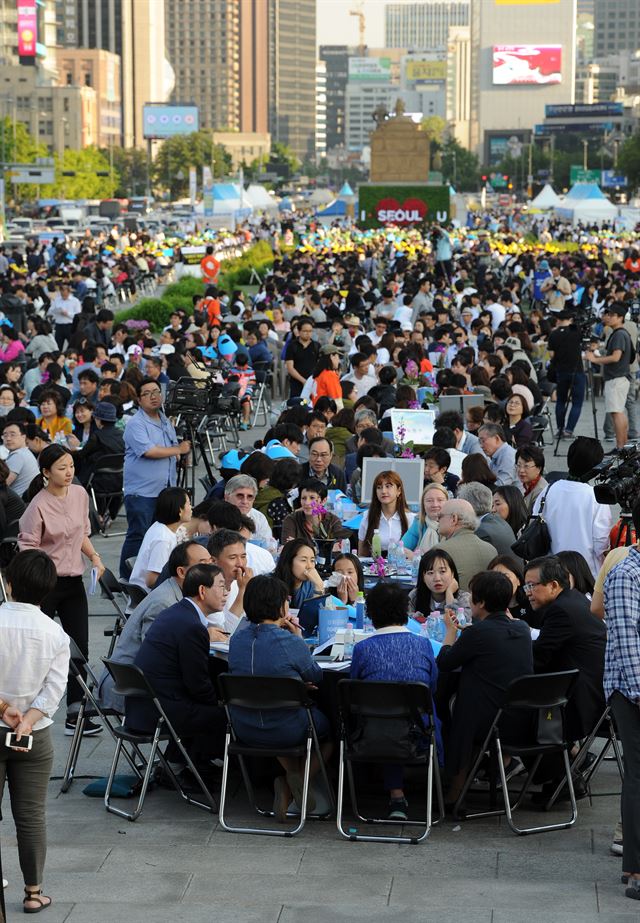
[(34, 660), (263, 530), (390, 529)]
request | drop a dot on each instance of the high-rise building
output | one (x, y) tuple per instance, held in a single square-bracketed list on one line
[(203, 46), (94, 67), (617, 26), (512, 82), (254, 66), (459, 84), (336, 61), (292, 74), (423, 26), (132, 29)]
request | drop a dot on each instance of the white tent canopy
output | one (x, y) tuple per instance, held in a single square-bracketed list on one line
[(587, 203), (546, 198)]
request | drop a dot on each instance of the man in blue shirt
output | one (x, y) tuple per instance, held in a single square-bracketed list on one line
[(151, 449), (500, 455)]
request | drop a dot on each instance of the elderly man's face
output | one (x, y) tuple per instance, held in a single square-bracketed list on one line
[(361, 425), (489, 444), (446, 521), (316, 429), (243, 498), (320, 456)]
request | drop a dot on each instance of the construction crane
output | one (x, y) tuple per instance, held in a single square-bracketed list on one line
[(358, 11)]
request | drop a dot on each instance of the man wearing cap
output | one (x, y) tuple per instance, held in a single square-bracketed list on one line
[(566, 355), (615, 371), (151, 451)]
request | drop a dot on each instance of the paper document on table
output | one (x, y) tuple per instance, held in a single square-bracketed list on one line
[(221, 646), (335, 665)]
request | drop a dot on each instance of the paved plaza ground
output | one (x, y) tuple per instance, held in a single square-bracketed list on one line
[(176, 863)]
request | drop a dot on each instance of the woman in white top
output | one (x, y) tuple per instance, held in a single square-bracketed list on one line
[(34, 662), (388, 513), (173, 509)]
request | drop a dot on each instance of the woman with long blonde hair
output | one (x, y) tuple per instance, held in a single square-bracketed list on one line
[(388, 513)]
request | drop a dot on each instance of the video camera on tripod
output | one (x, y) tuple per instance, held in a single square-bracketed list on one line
[(618, 477)]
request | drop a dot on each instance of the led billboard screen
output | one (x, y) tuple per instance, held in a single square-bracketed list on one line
[(27, 28), (527, 64), (160, 121)]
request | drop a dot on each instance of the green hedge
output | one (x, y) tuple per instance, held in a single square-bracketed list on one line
[(234, 274)]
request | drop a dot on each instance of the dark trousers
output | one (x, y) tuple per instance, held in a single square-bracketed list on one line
[(140, 513), (627, 718), (63, 332), (28, 777), (573, 385), (69, 602)]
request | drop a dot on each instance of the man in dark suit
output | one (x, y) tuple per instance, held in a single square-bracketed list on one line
[(319, 465), (571, 638), (491, 528), (175, 659)]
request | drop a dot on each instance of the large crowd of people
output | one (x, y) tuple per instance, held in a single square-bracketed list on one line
[(346, 328)]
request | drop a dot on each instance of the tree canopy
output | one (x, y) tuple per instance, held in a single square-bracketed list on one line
[(83, 174), (171, 166)]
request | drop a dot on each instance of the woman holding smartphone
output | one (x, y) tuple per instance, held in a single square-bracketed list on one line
[(34, 662), (57, 522)]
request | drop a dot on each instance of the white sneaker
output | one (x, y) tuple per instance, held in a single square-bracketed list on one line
[(4, 882)]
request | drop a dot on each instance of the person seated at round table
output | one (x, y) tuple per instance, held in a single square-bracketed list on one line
[(272, 645), (394, 654), (52, 419), (437, 585), (388, 514), (353, 578), (296, 568), (519, 607), (173, 509), (306, 522), (423, 534)]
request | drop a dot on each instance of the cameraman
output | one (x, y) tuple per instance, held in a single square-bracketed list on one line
[(615, 370), (566, 354), (556, 288), (630, 404)]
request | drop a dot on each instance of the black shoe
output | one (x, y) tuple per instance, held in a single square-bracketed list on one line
[(579, 789), (398, 808), (90, 728)]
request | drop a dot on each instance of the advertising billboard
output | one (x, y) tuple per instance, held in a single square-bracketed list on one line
[(425, 71), (370, 70), (162, 121), (27, 28), (594, 110), (527, 64), (402, 204)]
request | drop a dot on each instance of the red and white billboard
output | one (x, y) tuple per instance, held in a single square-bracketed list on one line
[(27, 28), (527, 64)]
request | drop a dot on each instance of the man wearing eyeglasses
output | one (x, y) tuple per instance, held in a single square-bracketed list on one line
[(151, 451), (319, 465)]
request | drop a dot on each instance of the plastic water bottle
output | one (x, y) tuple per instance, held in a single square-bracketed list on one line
[(345, 546), (338, 508), (461, 616), (360, 610), (435, 626), (349, 642), (392, 556), (415, 567), (376, 545)]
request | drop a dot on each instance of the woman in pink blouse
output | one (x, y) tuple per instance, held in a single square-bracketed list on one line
[(57, 522), (12, 347)]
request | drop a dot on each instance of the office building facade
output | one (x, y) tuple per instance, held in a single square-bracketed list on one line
[(336, 61), (424, 26), (292, 74), (617, 27)]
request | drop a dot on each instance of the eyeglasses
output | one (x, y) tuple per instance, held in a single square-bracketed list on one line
[(150, 393), (523, 466), (527, 587), (319, 454)]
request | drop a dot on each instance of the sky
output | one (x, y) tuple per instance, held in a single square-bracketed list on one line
[(336, 27)]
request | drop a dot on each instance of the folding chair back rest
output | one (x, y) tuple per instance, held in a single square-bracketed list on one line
[(129, 680), (110, 584), (263, 692), (543, 690), (109, 463), (361, 698)]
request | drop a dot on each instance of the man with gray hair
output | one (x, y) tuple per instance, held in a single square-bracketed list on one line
[(241, 490), (492, 528), (457, 524), (500, 455)]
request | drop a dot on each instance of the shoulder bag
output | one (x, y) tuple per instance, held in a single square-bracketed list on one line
[(534, 541)]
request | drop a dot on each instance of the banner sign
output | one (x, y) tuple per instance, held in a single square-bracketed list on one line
[(27, 28), (402, 204), (527, 64)]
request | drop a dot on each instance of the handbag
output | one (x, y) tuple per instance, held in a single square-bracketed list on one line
[(534, 541), (388, 738)]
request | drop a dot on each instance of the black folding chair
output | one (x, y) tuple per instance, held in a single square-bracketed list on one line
[(604, 728), (107, 501), (129, 680), (134, 593), (544, 696), (112, 590), (266, 693), (374, 719), (90, 707)]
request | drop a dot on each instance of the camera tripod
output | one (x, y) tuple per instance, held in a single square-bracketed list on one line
[(626, 533), (194, 431)]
